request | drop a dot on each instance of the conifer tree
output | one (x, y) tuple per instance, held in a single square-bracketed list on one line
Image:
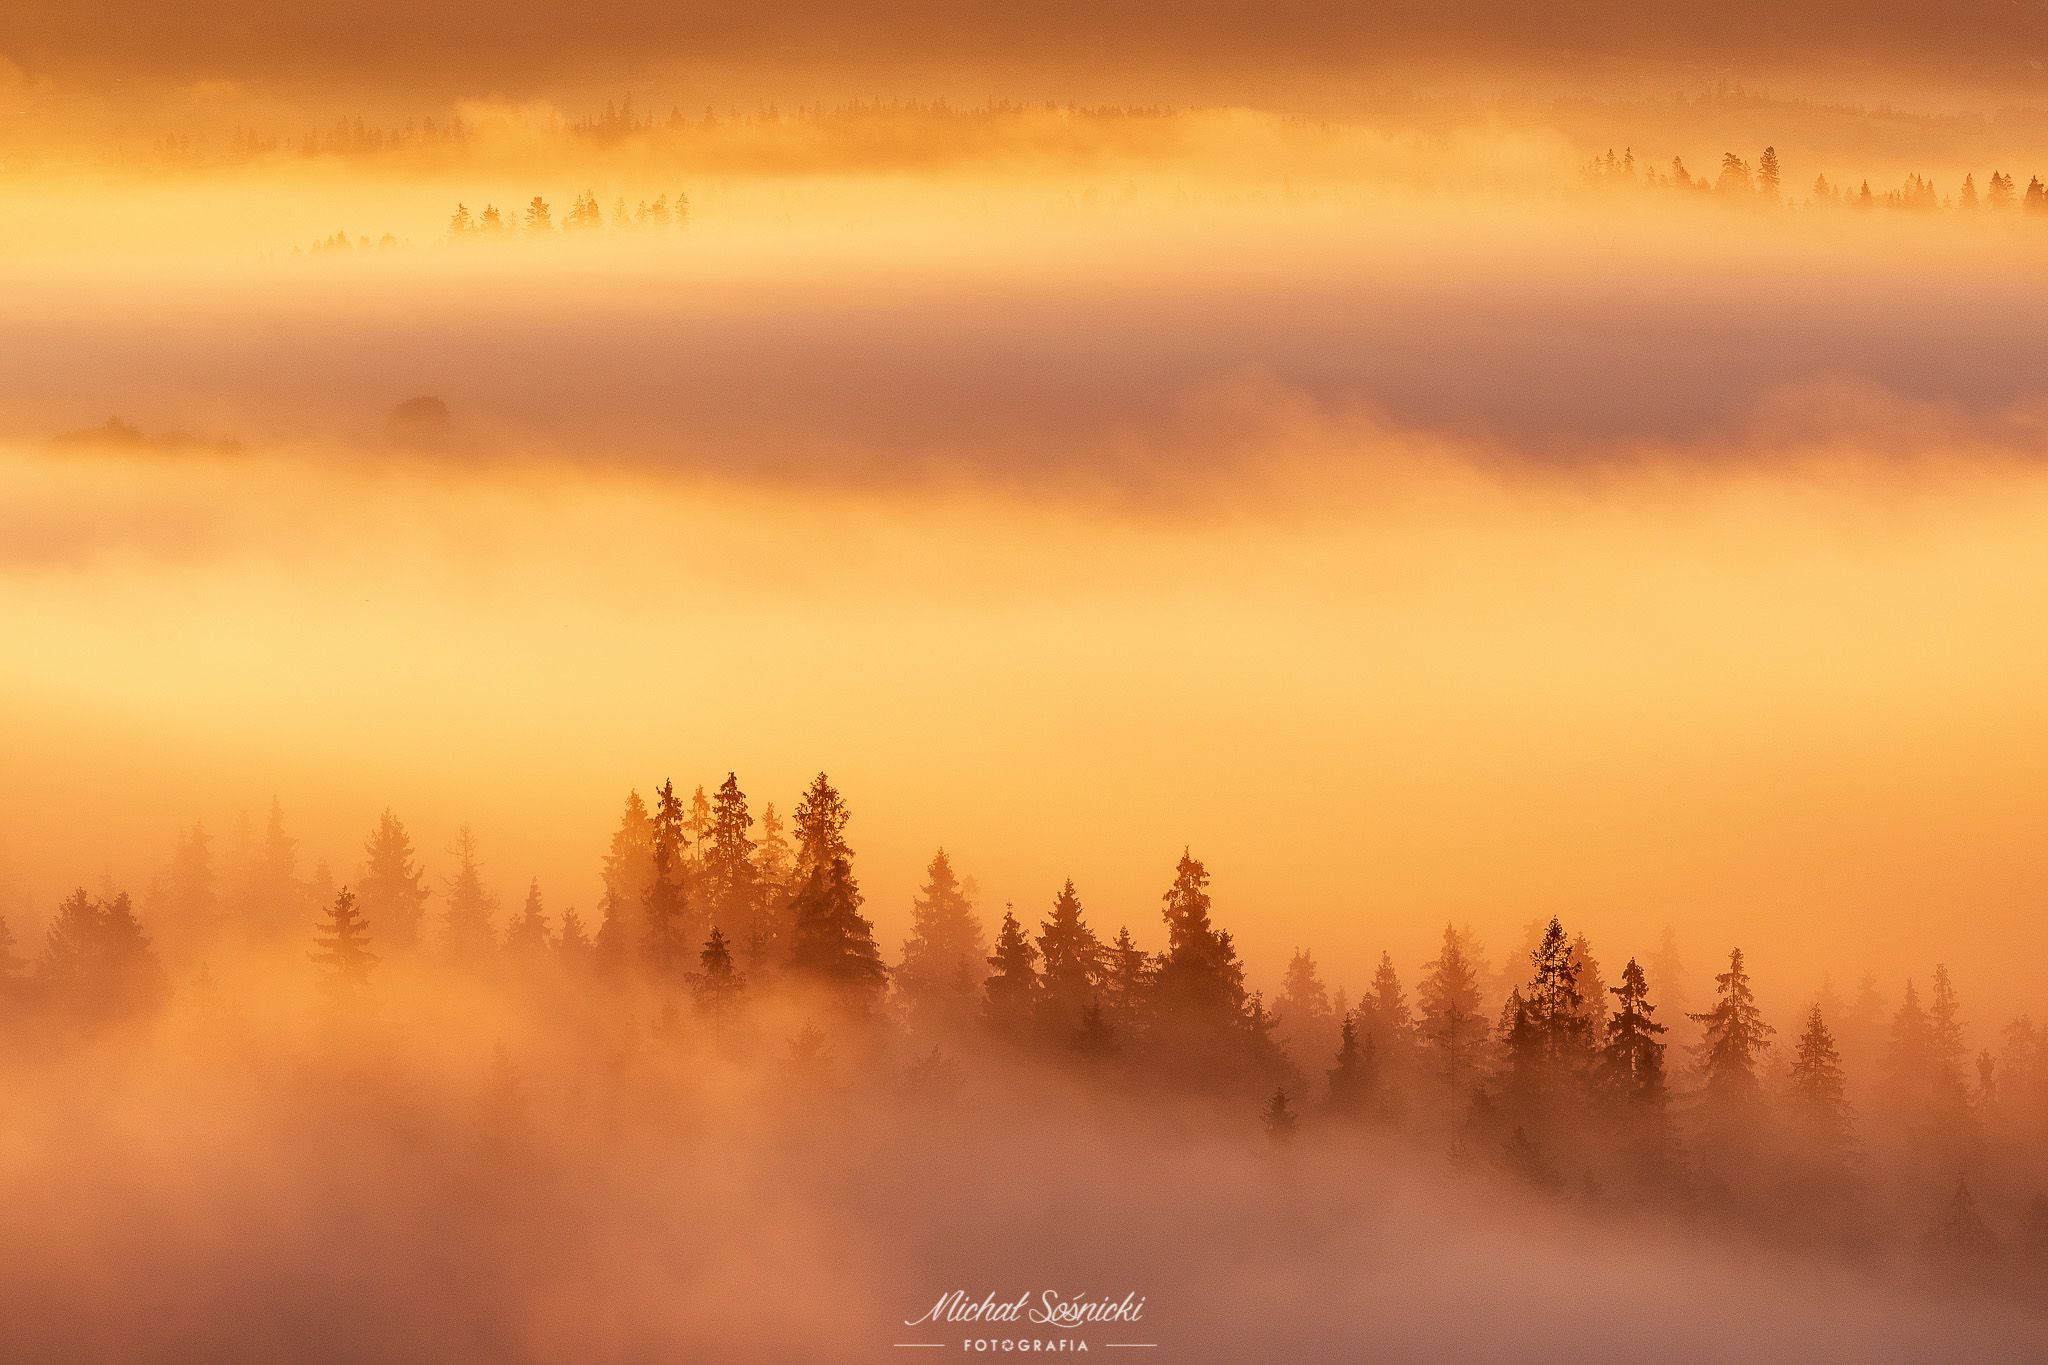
[(943, 958), (574, 945), (98, 962), (185, 899), (1384, 1017), (628, 873), (269, 898), (1072, 958), (1729, 1058), (718, 983), (1309, 1025), (1818, 1098), (821, 820), (1592, 987), (341, 946), (1354, 1079), (391, 890), (731, 880), (1126, 980), (527, 937), (832, 943), (666, 908), (1767, 174), (1452, 1030), (1632, 1057), (467, 934), (1548, 1039), (1012, 989), (1198, 986)]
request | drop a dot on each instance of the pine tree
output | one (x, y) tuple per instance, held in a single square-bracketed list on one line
[(821, 820), (731, 881), (573, 945), (1632, 1073), (832, 943), (665, 907), (1452, 1030), (98, 962), (628, 873), (1384, 1017), (391, 890), (1767, 174), (467, 933), (1198, 987), (1548, 1039), (342, 946), (527, 937), (940, 978), (1126, 981), (1309, 1025), (717, 983), (1354, 1080), (1072, 958), (1729, 1058), (1012, 990), (1818, 1098), (269, 899)]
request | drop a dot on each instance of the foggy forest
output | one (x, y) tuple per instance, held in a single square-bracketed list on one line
[(1221, 683)]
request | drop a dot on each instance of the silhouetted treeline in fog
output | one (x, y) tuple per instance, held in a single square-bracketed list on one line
[(1861, 1127), (1736, 181)]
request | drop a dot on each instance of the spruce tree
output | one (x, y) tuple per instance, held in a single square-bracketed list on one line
[(1126, 980), (832, 943), (1072, 958), (1729, 1058), (574, 945), (665, 908), (1354, 1080), (341, 946), (526, 937), (1631, 1071), (1198, 987), (628, 872), (391, 890), (1384, 1017), (821, 820), (940, 978), (1818, 1099), (98, 963), (1452, 1030), (731, 880), (1309, 1024), (468, 936), (717, 983), (1012, 989)]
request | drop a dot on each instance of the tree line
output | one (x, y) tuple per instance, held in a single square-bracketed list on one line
[(1541, 1071), (1736, 181)]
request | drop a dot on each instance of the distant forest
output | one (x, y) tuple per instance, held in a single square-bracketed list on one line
[(1863, 1128)]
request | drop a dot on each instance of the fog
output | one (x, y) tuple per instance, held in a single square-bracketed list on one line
[(1413, 514)]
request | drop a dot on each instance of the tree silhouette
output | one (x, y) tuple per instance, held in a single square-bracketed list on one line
[(833, 944), (1012, 989), (731, 882), (468, 935), (717, 983), (666, 907), (628, 874), (526, 937), (574, 945), (1072, 958), (1452, 1030), (821, 820), (1354, 1080), (940, 978), (391, 889), (342, 946), (1309, 1024), (1818, 1090), (1729, 1057), (98, 962)]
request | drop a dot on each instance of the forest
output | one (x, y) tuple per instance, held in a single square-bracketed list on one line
[(1859, 1130)]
